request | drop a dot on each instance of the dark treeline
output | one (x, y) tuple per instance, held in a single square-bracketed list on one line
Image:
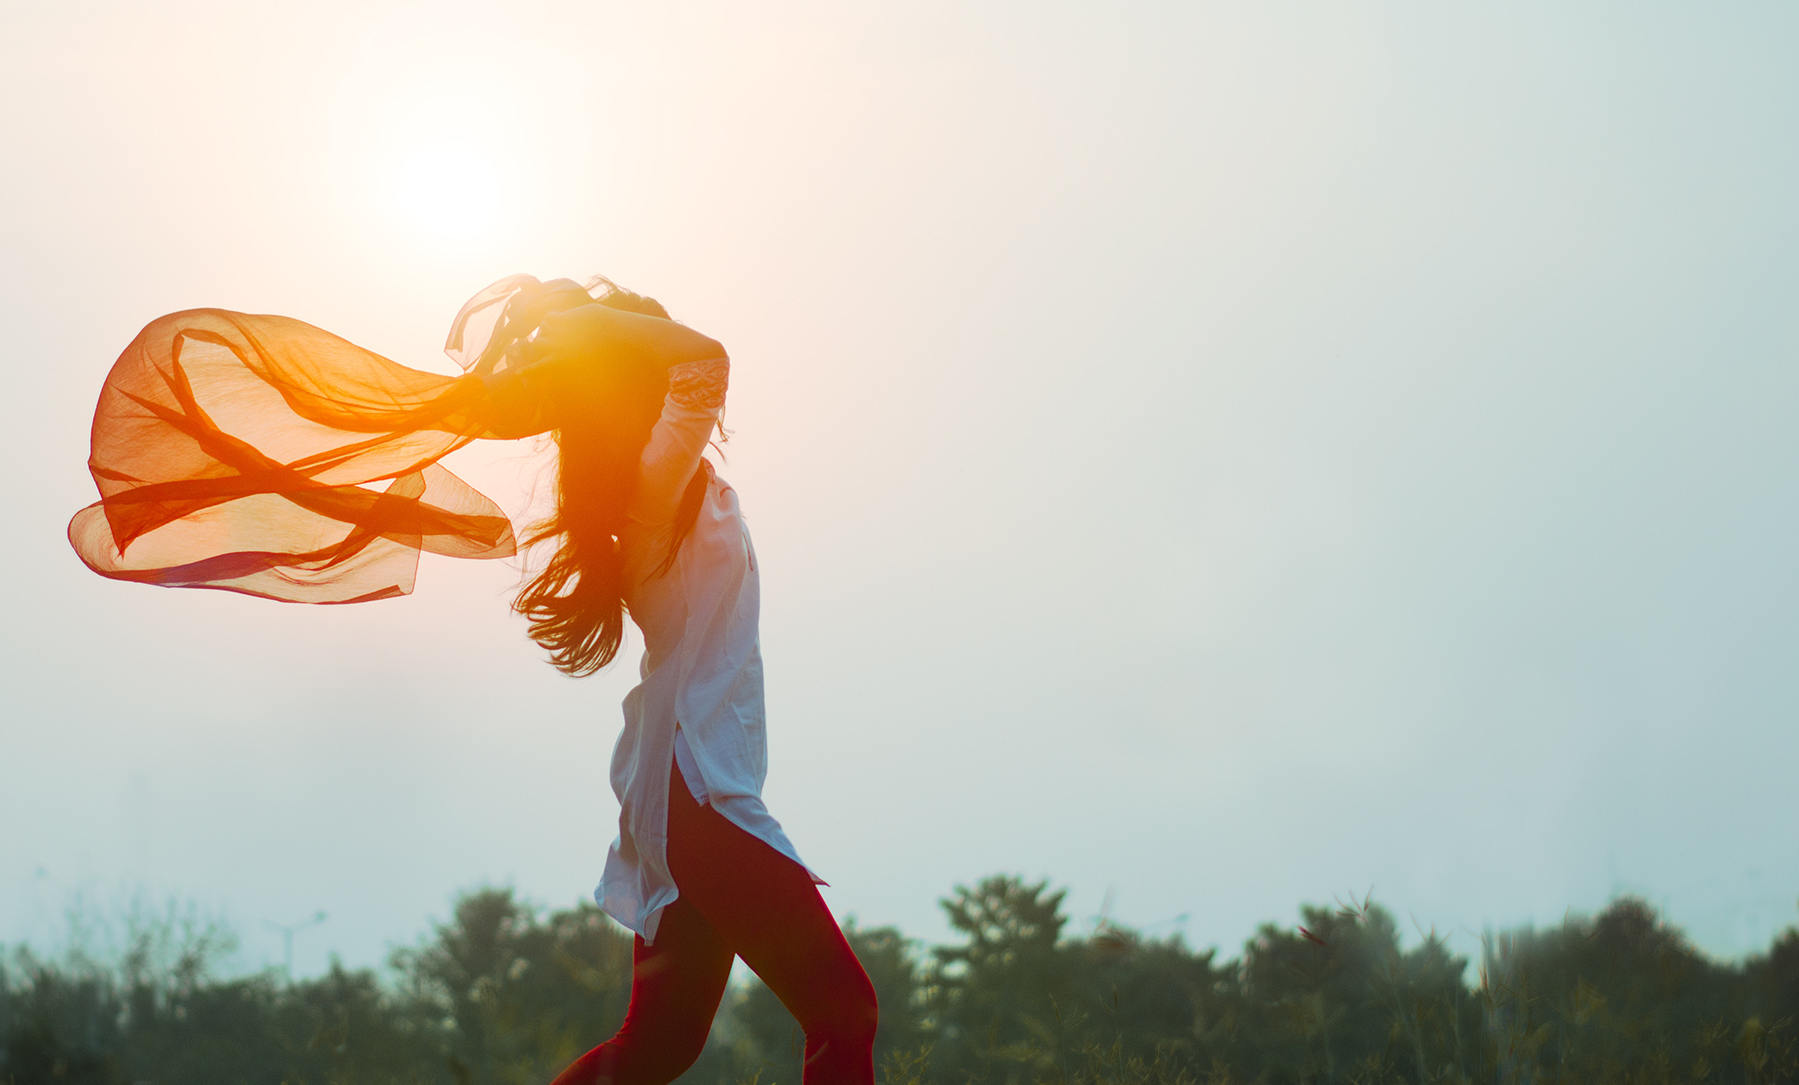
[(507, 993)]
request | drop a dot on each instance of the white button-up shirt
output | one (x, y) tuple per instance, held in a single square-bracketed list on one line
[(702, 662)]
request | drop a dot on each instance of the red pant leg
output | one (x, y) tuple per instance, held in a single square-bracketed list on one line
[(767, 910), (676, 985)]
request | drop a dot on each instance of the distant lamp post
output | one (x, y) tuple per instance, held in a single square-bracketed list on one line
[(287, 938)]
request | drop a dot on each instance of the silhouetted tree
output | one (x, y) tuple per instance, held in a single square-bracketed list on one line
[(997, 999), (506, 994), (518, 998)]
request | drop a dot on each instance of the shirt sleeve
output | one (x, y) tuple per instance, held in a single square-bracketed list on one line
[(696, 396)]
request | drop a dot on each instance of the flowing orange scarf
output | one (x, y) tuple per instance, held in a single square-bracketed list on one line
[(262, 455)]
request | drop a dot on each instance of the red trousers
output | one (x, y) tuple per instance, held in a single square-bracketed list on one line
[(739, 898)]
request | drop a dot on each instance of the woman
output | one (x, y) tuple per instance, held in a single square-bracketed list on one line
[(237, 452)]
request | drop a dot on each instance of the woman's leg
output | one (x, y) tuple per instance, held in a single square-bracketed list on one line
[(767, 910), (675, 988)]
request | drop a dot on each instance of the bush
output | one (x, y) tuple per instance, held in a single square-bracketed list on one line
[(506, 993)]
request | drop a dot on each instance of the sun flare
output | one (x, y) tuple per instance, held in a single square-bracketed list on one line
[(437, 189), (437, 171)]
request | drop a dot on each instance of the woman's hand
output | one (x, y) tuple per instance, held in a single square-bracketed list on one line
[(601, 335)]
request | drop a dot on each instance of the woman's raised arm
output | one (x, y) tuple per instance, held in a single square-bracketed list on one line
[(576, 352), (602, 335), (696, 397)]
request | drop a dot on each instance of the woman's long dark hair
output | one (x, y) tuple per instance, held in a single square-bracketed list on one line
[(575, 604)]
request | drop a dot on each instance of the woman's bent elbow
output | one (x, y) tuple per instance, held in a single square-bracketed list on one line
[(708, 348)]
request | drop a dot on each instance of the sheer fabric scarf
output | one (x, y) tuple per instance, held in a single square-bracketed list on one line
[(262, 455)]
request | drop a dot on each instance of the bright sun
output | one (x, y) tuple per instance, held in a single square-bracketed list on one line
[(437, 188), (438, 170)]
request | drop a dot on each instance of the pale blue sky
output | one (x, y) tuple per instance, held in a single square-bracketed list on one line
[(1228, 454)]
